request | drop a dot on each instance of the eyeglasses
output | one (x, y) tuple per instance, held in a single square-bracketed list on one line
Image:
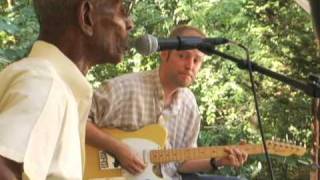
[(128, 4)]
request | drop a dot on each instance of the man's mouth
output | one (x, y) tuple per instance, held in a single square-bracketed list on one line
[(122, 48), (187, 74), (125, 45)]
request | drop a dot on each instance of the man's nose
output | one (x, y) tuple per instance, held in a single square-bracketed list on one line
[(129, 23), (189, 63)]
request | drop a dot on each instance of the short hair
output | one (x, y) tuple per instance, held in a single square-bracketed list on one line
[(179, 30), (57, 12)]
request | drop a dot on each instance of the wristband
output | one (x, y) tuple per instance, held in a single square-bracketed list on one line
[(214, 165)]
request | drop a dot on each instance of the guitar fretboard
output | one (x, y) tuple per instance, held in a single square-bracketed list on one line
[(165, 156)]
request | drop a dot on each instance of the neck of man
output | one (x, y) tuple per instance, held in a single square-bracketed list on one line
[(70, 44)]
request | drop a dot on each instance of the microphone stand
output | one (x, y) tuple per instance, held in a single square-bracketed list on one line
[(311, 88), (314, 174)]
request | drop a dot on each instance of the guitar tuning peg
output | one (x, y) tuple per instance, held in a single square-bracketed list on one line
[(273, 138), (305, 145), (300, 144)]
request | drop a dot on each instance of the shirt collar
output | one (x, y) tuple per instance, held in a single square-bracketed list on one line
[(158, 86), (175, 105), (67, 70)]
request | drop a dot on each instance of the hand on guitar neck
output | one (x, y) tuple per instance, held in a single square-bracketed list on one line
[(234, 157)]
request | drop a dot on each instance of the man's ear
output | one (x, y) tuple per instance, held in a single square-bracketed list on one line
[(85, 17)]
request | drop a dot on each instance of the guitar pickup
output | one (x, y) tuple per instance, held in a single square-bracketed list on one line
[(106, 161)]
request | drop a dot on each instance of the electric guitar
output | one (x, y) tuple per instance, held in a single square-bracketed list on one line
[(149, 142)]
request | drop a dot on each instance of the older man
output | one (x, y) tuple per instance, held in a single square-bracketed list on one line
[(45, 99)]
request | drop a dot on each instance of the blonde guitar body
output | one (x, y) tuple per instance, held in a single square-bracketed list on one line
[(142, 147), (142, 141), (149, 142)]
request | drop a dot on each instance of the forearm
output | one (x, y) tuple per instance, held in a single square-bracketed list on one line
[(99, 139), (193, 166), (122, 152), (9, 170)]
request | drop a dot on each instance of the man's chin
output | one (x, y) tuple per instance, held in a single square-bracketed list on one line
[(115, 59), (185, 84)]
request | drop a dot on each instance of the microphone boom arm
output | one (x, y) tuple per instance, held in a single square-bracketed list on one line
[(312, 88)]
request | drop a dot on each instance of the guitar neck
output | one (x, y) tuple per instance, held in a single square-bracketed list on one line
[(179, 155)]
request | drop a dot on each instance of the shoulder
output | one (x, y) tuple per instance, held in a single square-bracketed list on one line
[(187, 97), (29, 67), (31, 85), (28, 94), (29, 75), (128, 82), (135, 76)]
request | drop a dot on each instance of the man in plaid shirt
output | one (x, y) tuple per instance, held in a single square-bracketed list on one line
[(132, 101)]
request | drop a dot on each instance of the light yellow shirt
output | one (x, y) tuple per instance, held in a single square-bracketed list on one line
[(44, 104)]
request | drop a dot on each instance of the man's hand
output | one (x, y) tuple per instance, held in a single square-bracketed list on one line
[(129, 160), (235, 158), (9, 170)]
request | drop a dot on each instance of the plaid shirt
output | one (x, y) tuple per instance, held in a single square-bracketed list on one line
[(131, 101)]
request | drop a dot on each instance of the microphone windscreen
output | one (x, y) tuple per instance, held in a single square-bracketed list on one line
[(146, 44)]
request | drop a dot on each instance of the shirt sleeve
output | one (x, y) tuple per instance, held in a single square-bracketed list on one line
[(103, 101), (192, 119), (193, 130), (32, 109), (22, 97)]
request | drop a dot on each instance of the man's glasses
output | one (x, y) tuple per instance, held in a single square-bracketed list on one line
[(128, 4)]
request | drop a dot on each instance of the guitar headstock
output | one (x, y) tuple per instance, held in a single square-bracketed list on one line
[(284, 149)]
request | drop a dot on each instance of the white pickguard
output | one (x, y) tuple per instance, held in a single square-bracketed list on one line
[(142, 147)]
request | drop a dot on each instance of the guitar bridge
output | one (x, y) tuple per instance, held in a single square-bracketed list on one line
[(106, 161)]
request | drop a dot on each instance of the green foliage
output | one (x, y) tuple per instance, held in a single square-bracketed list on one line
[(18, 30), (278, 37)]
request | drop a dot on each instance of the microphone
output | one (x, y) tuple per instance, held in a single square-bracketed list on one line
[(149, 44)]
